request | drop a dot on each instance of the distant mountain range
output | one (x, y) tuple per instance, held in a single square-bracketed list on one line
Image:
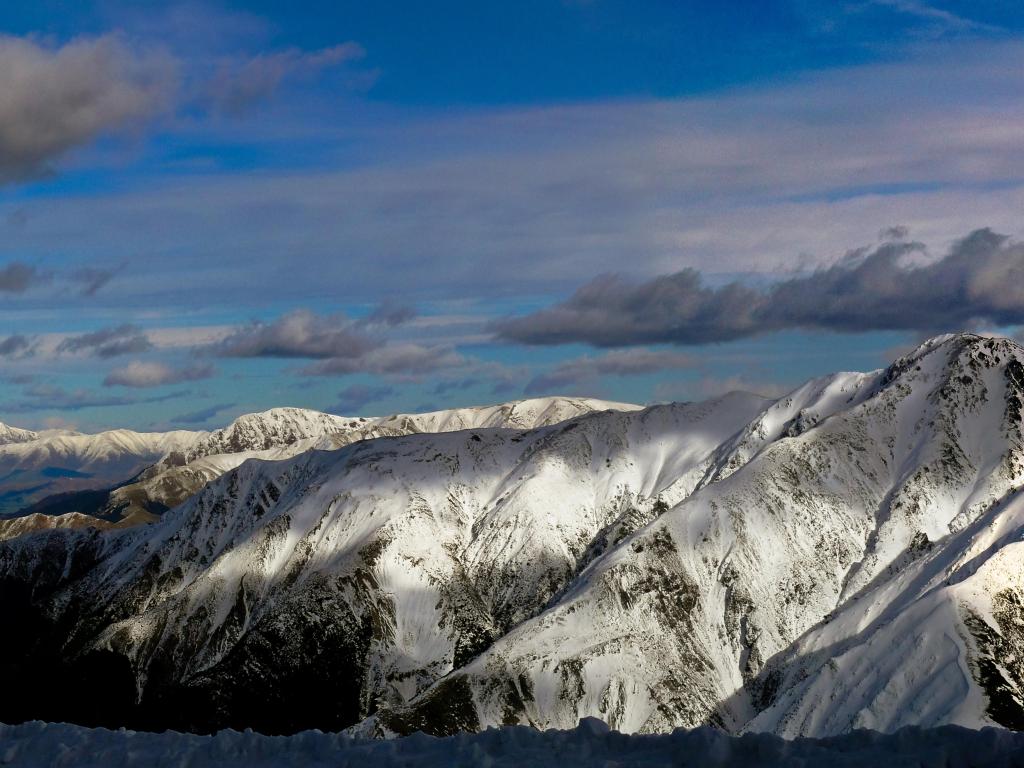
[(848, 556), (126, 477)]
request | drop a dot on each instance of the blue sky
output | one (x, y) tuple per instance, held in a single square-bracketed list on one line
[(209, 208)]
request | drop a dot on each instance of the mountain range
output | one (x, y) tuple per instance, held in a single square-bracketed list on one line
[(850, 555)]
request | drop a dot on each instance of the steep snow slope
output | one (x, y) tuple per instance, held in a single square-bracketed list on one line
[(837, 487), (941, 642), (518, 414), (9, 434), (314, 590), (261, 431), (274, 434)]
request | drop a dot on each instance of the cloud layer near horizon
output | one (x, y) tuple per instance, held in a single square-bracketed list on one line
[(980, 279)]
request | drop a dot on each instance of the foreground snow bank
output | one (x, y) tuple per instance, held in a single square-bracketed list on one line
[(590, 744)]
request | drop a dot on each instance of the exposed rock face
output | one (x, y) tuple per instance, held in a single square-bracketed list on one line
[(847, 556)]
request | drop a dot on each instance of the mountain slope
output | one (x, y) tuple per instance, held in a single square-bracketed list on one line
[(19, 526), (674, 626), (284, 432), (846, 555), (942, 642), (313, 590), (9, 434), (65, 462)]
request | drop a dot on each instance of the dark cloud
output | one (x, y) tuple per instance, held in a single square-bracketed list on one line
[(357, 396), (16, 346), (152, 374), (54, 98), (92, 279), (980, 279), (583, 371), (299, 334), (201, 416), (239, 85), (390, 314), (340, 345), (123, 339), (18, 277)]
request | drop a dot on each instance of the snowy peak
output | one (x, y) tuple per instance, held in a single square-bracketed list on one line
[(518, 414), (260, 431), (9, 434)]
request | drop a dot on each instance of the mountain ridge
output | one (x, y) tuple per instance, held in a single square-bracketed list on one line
[(676, 565)]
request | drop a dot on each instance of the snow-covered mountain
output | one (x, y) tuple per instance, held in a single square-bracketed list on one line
[(129, 478), (848, 555), (283, 432), (9, 434), (61, 462)]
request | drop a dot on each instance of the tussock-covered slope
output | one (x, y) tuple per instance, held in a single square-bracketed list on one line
[(19, 526)]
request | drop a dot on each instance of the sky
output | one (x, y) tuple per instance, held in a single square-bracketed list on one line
[(212, 208)]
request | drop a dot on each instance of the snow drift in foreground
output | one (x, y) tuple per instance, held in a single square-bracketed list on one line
[(590, 744)]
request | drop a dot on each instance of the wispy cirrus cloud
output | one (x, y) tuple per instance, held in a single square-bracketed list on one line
[(665, 183), (125, 339), (239, 84), (937, 20), (981, 278), (49, 397)]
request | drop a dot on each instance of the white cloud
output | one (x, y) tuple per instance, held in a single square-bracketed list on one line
[(154, 374)]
